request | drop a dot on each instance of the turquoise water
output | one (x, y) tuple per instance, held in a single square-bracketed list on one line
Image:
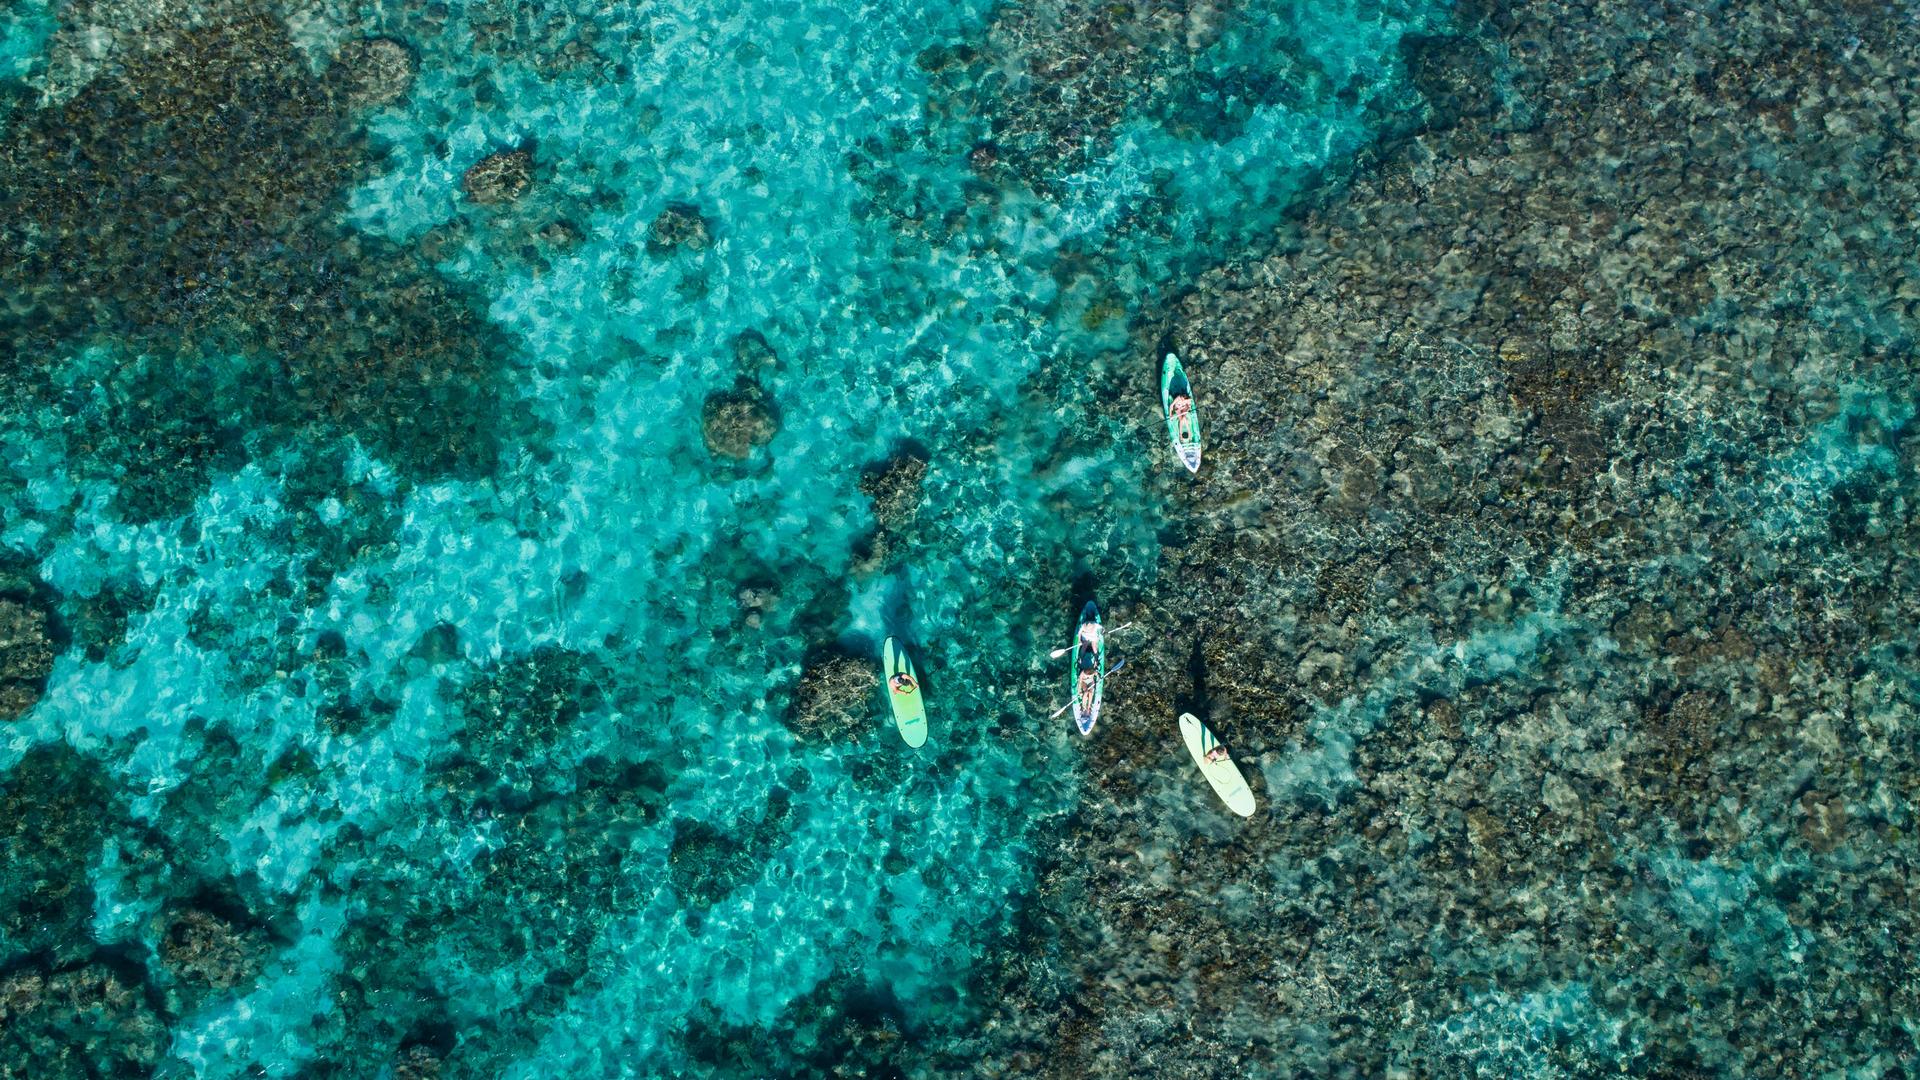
[(489, 763), (461, 461)]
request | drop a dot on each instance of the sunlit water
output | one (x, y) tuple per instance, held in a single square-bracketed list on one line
[(616, 534)]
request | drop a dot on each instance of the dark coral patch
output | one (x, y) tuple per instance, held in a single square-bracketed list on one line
[(26, 656), (186, 207)]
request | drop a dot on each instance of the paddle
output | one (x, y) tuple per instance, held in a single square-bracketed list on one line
[(1065, 649), (1112, 671)]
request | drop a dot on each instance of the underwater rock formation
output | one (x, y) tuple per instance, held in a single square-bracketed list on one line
[(528, 907), (893, 486), (679, 226), (517, 716), (705, 864), (239, 255), (207, 950), (734, 423), (379, 71), (1054, 79), (26, 656), (56, 815), (1508, 583), (834, 698), (499, 178), (77, 1023)]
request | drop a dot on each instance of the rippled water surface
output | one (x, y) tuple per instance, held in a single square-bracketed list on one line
[(462, 461)]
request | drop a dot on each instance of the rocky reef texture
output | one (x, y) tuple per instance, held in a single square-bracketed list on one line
[(26, 656), (83, 997), (393, 709), (500, 177), (892, 488), (737, 421), (76, 1024), (247, 312), (560, 817), (1055, 80), (1552, 577), (680, 226), (378, 70), (834, 698)]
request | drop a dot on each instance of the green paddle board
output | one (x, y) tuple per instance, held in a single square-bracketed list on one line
[(909, 709), (1225, 778), (1184, 430)]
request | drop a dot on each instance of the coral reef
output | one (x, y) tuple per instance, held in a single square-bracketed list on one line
[(679, 227), (1054, 80), (1509, 581), (377, 706), (894, 487), (705, 864), (834, 697), (56, 813), (527, 909), (738, 421), (499, 177), (378, 71), (238, 253), (76, 1024), (205, 949), (26, 656)]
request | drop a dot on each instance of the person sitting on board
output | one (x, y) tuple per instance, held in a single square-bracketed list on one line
[(1217, 753), (1182, 407), (903, 683), (1089, 641)]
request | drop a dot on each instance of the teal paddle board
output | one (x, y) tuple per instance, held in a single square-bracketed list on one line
[(1184, 430), (1092, 657), (909, 709), (1222, 774)]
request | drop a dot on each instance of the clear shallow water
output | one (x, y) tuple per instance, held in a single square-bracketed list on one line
[(905, 297)]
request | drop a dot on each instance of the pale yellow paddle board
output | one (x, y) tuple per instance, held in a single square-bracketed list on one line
[(1225, 778)]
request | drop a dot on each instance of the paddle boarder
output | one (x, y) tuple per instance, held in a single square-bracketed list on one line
[(1181, 407), (1089, 640), (1218, 753), (903, 683)]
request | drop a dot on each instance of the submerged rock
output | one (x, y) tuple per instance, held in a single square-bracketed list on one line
[(1508, 586), (753, 356), (517, 716), (679, 226), (736, 422), (894, 487), (239, 253), (77, 1023), (26, 657), (378, 71), (834, 698), (56, 815), (706, 864), (500, 177), (207, 951), (417, 1062)]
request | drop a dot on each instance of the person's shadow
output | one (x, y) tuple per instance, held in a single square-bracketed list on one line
[(1195, 702)]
